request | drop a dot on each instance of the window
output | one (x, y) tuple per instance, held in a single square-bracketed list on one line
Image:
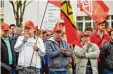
[(80, 25), (2, 20), (87, 24), (2, 16), (107, 24), (2, 3), (94, 22), (87, 18), (108, 17), (111, 17), (79, 18), (1, 11), (112, 24)]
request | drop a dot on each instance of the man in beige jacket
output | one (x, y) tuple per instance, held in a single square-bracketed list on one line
[(86, 57)]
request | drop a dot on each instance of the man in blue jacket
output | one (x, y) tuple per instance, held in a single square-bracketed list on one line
[(58, 52)]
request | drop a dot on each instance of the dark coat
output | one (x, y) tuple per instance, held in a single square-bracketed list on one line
[(107, 55), (4, 54)]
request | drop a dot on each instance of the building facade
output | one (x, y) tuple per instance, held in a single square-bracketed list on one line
[(84, 21)]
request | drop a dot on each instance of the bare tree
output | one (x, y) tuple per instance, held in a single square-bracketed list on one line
[(19, 9)]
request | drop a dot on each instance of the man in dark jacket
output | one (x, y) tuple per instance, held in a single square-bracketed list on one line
[(58, 52), (99, 38), (107, 55), (7, 50), (12, 28)]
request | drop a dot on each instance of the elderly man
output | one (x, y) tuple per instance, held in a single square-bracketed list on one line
[(86, 57), (26, 45), (58, 52)]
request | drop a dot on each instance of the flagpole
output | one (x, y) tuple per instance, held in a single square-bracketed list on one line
[(44, 15), (39, 29), (38, 12)]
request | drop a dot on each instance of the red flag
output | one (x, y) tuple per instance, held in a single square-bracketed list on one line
[(67, 16), (55, 2), (96, 9)]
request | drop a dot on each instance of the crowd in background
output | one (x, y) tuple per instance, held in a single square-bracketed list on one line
[(29, 50)]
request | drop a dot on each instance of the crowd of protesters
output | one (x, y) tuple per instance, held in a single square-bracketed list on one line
[(29, 50)]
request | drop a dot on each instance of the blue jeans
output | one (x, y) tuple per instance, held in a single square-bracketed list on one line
[(58, 72), (89, 70), (106, 71), (13, 71)]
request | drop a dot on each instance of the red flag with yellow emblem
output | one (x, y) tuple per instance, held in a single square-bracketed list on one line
[(71, 30)]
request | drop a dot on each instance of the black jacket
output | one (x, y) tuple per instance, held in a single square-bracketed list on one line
[(107, 55), (4, 52)]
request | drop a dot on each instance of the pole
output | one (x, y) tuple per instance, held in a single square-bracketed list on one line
[(40, 29)]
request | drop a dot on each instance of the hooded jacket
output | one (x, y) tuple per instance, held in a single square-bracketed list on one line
[(57, 61)]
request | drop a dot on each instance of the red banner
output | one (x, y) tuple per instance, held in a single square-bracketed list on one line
[(96, 9), (55, 2)]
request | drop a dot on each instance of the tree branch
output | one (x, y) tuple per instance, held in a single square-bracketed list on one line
[(24, 6), (22, 10), (28, 3), (12, 3), (17, 12), (21, 16)]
